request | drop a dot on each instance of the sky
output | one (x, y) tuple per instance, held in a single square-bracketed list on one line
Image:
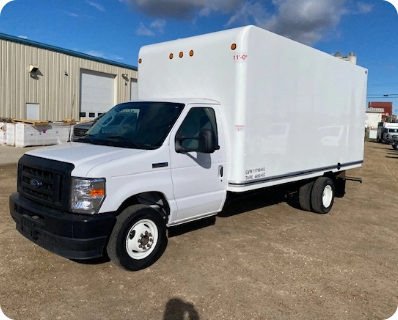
[(116, 29)]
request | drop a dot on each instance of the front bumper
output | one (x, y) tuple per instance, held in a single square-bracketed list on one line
[(72, 236)]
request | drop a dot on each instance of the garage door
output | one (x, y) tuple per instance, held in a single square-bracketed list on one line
[(97, 93)]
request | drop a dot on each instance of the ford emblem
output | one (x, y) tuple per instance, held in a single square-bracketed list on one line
[(35, 183)]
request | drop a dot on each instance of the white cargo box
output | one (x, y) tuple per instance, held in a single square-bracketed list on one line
[(290, 111), (10, 134), (2, 133), (40, 135)]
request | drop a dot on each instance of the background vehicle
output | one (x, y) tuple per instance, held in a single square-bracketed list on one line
[(227, 112), (385, 130), (394, 141), (80, 129), (391, 135)]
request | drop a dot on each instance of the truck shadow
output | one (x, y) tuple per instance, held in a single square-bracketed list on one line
[(238, 204), (392, 154), (190, 226)]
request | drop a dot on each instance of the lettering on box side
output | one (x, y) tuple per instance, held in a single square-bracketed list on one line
[(253, 174), (240, 57)]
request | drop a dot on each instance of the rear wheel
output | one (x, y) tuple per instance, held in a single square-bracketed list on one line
[(322, 195), (305, 196), (138, 238)]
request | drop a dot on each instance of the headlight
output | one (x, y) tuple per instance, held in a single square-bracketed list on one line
[(87, 195)]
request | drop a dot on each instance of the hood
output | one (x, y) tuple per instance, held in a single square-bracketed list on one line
[(84, 156)]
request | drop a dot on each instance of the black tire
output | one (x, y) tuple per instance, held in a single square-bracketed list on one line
[(138, 238), (305, 196), (395, 145), (322, 195)]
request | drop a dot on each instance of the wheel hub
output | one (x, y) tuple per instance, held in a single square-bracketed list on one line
[(145, 241)]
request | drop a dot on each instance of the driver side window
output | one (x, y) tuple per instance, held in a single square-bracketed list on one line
[(196, 120)]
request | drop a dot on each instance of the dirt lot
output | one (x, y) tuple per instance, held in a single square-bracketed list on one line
[(260, 259)]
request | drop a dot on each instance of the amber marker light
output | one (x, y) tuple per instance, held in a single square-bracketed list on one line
[(233, 46), (171, 56), (139, 60), (191, 53), (97, 193), (181, 54)]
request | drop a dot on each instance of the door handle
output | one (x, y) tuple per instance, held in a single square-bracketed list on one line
[(221, 171)]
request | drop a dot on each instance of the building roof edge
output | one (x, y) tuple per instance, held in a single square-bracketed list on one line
[(77, 54)]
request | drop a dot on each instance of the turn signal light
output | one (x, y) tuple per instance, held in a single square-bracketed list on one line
[(97, 193)]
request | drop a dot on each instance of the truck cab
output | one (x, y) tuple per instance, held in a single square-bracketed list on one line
[(146, 155)]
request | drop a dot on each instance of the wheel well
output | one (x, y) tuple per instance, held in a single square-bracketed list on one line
[(339, 182), (153, 199)]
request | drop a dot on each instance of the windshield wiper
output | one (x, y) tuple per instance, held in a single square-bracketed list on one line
[(84, 138), (124, 139)]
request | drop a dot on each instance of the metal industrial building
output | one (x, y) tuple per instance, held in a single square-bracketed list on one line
[(43, 82)]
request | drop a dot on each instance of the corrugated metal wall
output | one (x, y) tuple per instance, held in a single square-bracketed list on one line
[(57, 93)]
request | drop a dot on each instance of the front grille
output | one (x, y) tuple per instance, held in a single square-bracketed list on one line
[(79, 132), (42, 185), (45, 181)]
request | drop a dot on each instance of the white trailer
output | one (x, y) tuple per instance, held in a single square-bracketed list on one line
[(231, 111)]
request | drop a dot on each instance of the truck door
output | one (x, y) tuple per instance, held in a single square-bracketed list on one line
[(198, 178)]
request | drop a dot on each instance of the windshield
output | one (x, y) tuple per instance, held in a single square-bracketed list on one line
[(142, 125)]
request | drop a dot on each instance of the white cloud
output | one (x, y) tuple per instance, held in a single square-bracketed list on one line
[(183, 9), (102, 55), (364, 8), (94, 53), (113, 57), (158, 25), (72, 14), (144, 31), (306, 21), (96, 5), (250, 12)]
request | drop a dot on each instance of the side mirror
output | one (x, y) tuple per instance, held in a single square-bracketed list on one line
[(206, 142)]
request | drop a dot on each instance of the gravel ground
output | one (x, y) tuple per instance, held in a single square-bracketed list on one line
[(259, 259)]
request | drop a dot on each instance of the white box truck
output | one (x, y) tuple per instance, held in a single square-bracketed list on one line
[(230, 111), (386, 131)]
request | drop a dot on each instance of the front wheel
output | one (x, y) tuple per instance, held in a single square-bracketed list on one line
[(138, 238), (322, 195), (395, 146)]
